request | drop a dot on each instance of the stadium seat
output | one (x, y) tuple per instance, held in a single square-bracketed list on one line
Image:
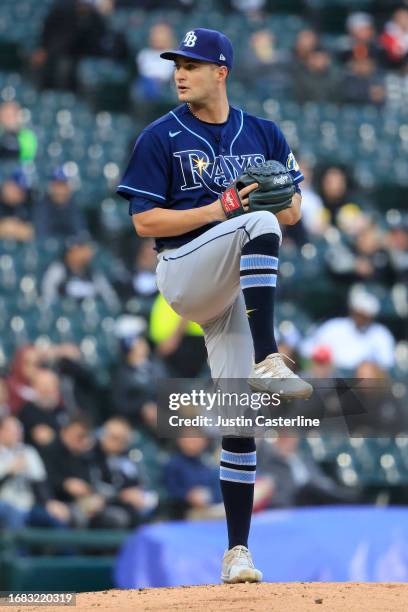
[(104, 83)]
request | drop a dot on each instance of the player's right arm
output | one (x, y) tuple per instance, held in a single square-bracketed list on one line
[(161, 222)]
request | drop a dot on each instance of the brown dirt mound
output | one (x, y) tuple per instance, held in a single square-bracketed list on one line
[(271, 597)]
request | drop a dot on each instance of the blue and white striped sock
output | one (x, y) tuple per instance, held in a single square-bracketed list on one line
[(258, 276), (238, 467), (237, 478)]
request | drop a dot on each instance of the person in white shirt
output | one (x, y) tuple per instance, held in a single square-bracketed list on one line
[(155, 75), (24, 496), (357, 337), (314, 216)]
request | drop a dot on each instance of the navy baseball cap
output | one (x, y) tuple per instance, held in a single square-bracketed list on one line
[(58, 174), (205, 46), (19, 177)]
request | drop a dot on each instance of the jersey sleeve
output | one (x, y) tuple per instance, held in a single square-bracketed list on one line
[(282, 152), (147, 175)]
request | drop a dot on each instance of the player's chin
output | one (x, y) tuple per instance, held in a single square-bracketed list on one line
[(184, 95)]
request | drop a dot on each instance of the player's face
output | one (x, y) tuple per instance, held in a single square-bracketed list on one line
[(196, 82)]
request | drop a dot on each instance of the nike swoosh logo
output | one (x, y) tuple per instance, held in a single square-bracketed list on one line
[(251, 310), (173, 134)]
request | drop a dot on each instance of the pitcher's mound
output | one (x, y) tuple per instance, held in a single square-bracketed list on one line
[(293, 596)]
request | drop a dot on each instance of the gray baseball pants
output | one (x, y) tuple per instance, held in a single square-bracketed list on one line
[(201, 282)]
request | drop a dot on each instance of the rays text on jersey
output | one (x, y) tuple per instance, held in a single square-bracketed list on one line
[(198, 171)]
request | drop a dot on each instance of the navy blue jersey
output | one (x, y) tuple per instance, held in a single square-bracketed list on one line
[(180, 162)]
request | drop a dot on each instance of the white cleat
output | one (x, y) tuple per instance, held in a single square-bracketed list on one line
[(273, 376), (237, 566)]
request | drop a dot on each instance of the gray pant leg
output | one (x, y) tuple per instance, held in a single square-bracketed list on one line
[(201, 282), (201, 279), (229, 343)]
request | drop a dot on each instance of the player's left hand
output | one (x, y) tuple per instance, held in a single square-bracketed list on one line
[(245, 191), (273, 191)]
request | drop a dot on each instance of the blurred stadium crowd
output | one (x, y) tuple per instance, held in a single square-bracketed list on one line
[(84, 335)]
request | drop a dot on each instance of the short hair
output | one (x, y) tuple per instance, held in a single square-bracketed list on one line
[(4, 417), (118, 419), (79, 419)]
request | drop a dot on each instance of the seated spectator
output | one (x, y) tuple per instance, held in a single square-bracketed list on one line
[(264, 61), (4, 398), (30, 360), (135, 381), (360, 42), (77, 381), (362, 84), (394, 39), (315, 79), (362, 259), (23, 370), (319, 370), (179, 343), (119, 477), (140, 278), (73, 29), (307, 41), (396, 242), (335, 190), (68, 464), (192, 478), (144, 270), (16, 142), (43, 417), (154, 74), (56, 214), (297, 479), (357, 337), (15, 209), (72, 479), (385, 414), (314, 216), (371, 258), (352, 220), (24, 495), (76, 276)]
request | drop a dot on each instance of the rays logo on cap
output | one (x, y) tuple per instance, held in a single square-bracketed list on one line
[(190, 39)]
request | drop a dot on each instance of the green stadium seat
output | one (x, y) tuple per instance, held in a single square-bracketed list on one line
[(104, 83), (72, 574), (73, 571)]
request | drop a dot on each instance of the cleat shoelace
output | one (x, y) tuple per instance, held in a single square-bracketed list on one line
[(276, 367), (240, 556)]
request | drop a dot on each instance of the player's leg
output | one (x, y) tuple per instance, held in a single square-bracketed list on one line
[(202, 279), (230, 348), (258, 278)]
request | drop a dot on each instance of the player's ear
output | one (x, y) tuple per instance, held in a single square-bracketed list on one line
[(223, 72)]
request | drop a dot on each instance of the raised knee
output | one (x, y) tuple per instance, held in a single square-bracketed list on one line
[(263, 222)]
